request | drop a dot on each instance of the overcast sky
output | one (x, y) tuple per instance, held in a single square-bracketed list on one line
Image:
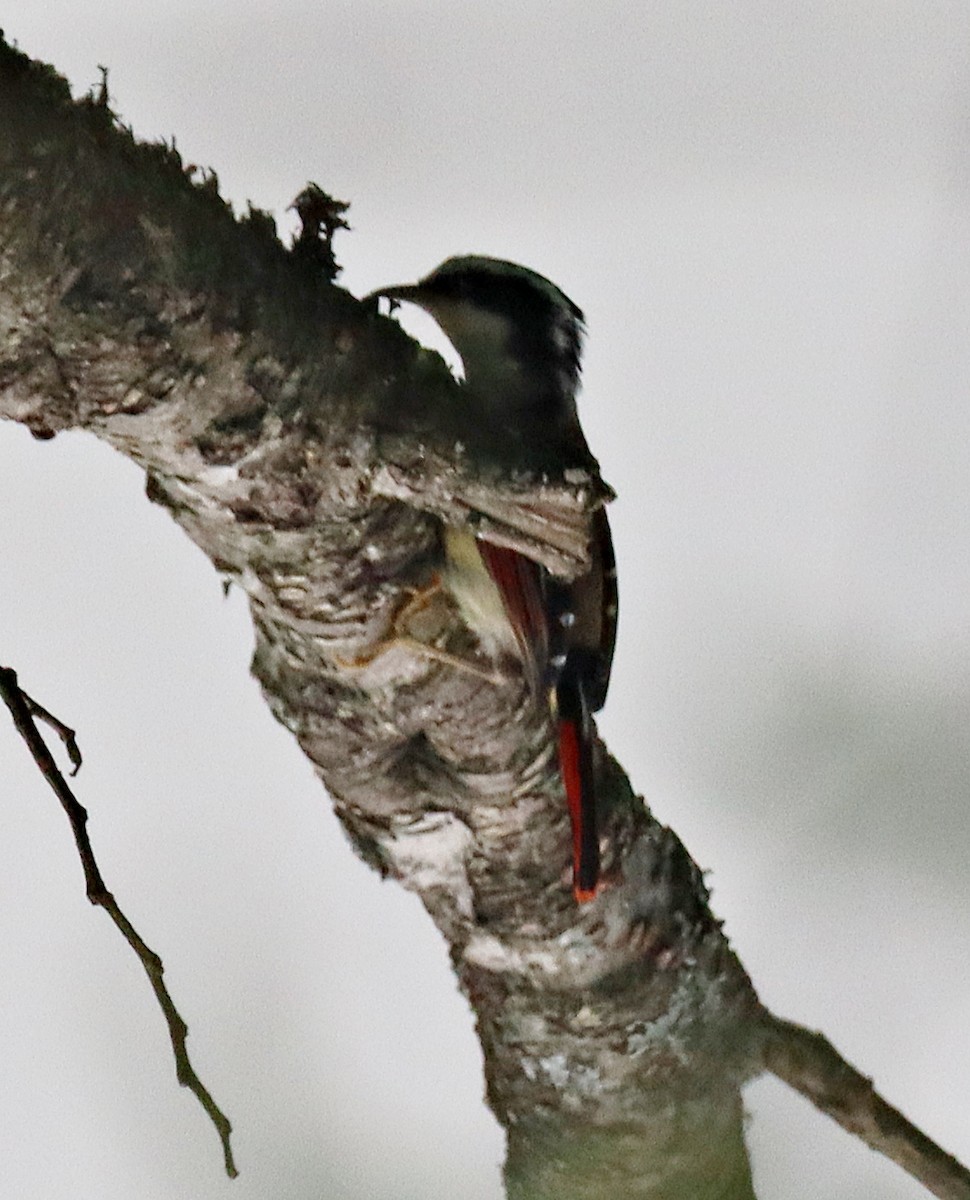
[(763, 210)]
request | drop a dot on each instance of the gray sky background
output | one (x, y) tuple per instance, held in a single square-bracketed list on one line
[(763, 210)]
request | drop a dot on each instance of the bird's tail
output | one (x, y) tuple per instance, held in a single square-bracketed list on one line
[(575, 728)]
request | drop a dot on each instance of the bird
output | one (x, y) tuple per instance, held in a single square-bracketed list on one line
[(519, 338)]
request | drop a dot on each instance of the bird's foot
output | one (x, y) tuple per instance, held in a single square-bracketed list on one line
[(413, 626)]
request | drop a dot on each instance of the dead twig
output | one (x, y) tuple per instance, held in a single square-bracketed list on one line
[(64, 732), (24, 710)]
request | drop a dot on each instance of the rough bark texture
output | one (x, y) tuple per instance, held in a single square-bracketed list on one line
[(310, 449)]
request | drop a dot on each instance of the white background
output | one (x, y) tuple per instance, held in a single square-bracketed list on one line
[(763, 210)]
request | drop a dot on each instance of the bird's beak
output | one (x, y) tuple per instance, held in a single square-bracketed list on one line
[(397, 291)]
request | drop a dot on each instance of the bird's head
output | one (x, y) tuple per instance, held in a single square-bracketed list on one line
[(519, 337)]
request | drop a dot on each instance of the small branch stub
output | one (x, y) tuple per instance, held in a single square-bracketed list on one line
[(808, 1062)]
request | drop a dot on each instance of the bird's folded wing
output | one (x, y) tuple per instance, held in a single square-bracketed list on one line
[(548, 522)]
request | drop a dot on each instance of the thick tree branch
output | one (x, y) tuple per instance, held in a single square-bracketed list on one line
[(312, 451)]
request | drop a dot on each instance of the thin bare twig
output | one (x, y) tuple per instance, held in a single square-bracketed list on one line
[(23, 710), (64, 732), (809, 1063)]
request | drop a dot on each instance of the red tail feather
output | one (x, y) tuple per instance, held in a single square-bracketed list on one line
[(573, 763)]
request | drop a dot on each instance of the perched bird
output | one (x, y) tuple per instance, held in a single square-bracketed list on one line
[(520, 340)]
